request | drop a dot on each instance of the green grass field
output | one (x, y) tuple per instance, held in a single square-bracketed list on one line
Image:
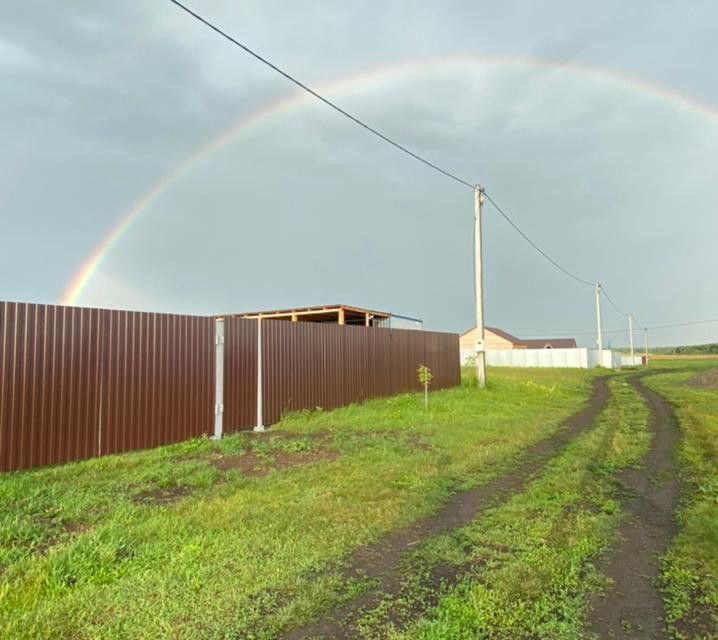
[(534, 553), (244, 538), (690, 577)]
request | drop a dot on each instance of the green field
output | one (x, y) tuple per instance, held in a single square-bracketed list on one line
[(246, 538), (691, 567)]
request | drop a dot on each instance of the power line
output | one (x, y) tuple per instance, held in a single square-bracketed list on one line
[(382, 136), (683, 324), (326, 101), (612, 303), (572, 333), (657, 326), (534, 245)]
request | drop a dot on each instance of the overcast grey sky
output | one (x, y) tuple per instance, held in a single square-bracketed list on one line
[(595, 125)]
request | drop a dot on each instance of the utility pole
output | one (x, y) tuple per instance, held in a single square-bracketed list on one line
[(630, 334), (599, 339), (645, 342), (479, 288)]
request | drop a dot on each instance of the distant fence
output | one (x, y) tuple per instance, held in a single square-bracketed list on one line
[(77, 383), (538, 358), (635, 361), (578, 358)]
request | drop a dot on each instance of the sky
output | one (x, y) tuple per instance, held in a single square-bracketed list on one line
[(593, 125)]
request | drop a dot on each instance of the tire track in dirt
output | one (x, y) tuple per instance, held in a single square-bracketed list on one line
[(381, 561), (633, 608)]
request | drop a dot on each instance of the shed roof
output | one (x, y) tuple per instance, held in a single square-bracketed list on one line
[(322, 313)]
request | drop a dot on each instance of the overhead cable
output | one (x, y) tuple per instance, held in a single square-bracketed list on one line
[(534, 245), (612, 303), (326, 101), (379, 134), (682, 324), (646, 328)]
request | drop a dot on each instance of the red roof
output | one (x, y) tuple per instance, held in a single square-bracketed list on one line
[(550, 343), (504, 334), (535, 343)]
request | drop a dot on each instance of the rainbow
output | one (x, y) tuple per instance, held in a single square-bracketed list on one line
[(358, 82)]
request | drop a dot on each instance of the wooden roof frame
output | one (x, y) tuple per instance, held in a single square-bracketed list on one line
[(326, 312)]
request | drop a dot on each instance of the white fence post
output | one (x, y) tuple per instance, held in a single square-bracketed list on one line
[(218, 378), (260, 418)]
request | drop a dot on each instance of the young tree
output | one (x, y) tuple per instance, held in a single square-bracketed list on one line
[(425, 376)]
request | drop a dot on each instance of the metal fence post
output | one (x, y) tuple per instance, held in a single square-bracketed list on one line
[(260, 424), (218, 378)]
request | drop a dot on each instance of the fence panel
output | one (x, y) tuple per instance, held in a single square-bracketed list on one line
[(379, 362), (303, 367), (49, 367), (308, 365), (240, 374), (157, 379), (577, 357), (407, 353)]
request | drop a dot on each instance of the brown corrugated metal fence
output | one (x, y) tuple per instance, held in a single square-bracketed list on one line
[(157, 379), (308, 365), (77, 383), (240, 374), (49, 397)]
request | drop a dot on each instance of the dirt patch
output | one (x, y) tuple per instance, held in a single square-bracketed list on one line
[(248, 463), (78, 528), (633, 607), (701, 622), (410, 439), (284, 460), (322, 437), (162, 496), (382, 561), (704, 380), (254, 465), (59, 530)]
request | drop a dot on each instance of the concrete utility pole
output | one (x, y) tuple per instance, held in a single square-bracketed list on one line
[(630, 334), (599, 339), (645, 342), (479, 288), (260, 424)]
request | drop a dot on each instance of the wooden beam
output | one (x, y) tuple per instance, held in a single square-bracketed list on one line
[(294, 316), (341, 315), (289, 314), (366, 319)]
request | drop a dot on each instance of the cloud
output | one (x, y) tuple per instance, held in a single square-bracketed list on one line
[(15, 57), (310, 208)]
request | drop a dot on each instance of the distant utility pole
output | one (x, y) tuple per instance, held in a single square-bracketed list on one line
[(599, 339), (479, 288), (630, 334), (645, 342)]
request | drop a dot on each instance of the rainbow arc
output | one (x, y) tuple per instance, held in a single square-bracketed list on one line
[(356, 83)]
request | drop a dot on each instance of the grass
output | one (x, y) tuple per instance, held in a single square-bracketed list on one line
[(165, 543), (529, 562), (695, 349), (690, 569)]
